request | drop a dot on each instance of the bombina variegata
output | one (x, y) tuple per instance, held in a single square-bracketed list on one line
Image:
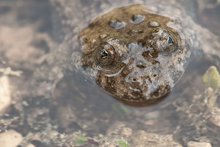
[(135, 52)]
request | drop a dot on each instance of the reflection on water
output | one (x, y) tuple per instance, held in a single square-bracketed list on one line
[(74, 103)]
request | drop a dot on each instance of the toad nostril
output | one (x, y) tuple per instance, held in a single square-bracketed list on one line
[(141, 64), (154, 75), (136, 19), (117, 24), (134, 79)]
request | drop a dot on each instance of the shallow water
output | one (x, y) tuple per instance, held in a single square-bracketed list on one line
[(75, 103)]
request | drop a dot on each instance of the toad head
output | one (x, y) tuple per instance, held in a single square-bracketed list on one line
[(137, 56)]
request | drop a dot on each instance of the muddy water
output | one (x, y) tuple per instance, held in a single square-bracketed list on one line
[(74, 102)]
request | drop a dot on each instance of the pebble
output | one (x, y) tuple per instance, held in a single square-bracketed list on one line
[(10, 138), (153, 140), (215, 116), (30, 145), (120, 128), (198, 144), (5, 94)]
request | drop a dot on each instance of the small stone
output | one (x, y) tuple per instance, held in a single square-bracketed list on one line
[(126, 132), (5, 94), (117, 24), (119, 128), (154, 24), (215, 117), (142, 138), (198, 144), (30, 145), (9, 71), (136, 19), (10, 139)]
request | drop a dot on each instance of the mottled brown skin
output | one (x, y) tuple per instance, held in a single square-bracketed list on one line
[(130, 47)]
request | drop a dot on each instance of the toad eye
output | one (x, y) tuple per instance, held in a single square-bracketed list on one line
[(104, 53), (106, 56)]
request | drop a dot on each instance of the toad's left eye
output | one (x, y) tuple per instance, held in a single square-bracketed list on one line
[(106, 56)]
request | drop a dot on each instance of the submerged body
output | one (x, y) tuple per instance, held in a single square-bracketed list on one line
[(136, 52)]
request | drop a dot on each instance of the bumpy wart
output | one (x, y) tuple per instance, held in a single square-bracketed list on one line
[(137, 55)]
